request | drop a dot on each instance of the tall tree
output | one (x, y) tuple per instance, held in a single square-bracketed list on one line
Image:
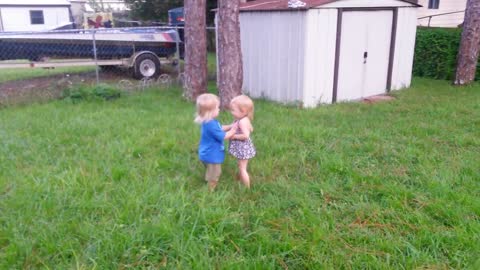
[(469, 45), (230, 70), (195, 48)]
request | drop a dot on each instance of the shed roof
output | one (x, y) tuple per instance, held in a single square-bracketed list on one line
[(278, 5), (34, 3)]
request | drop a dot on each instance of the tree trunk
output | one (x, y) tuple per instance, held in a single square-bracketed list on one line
[(469, 45), (195, 82), (230, 70)]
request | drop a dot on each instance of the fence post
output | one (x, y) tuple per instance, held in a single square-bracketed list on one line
[(177, 43), (95, 56)]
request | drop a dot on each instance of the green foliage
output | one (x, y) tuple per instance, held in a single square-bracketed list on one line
[(87, 92), (436, 53), (118, 185), (157, 10)]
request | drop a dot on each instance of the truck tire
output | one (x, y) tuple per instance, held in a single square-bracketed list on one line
[(146, 66)]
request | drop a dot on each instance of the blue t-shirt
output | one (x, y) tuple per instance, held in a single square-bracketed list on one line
[(211, 148)]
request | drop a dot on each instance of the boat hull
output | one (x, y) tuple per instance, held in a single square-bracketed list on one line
[(108, 44)]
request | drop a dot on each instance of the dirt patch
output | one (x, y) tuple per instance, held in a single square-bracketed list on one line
[(50, 87), (378, 98), (45, 88)]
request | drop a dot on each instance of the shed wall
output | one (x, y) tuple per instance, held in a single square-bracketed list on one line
[(18, 18), (367, 3), (321, 30), (273, 48), (404, 48)]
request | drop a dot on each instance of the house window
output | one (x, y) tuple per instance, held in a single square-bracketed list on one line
[(36, 17), (433, 4)]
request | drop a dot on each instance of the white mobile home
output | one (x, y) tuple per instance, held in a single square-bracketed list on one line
[(441, 13), (327, 50), (33, 15)]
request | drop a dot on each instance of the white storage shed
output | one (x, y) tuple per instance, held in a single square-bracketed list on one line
[(326, 51), (33, 15)]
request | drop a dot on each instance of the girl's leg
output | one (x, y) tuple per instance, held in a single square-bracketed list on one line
[(242, 168)]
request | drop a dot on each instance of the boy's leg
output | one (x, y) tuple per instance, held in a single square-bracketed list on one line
[(213, 175)]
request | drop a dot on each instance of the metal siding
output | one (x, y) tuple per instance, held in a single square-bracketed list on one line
[(446, 6), (367, 3), (273, 52), (18, 19), (1, 21), (404, 48), (320, 56), (35, 2)]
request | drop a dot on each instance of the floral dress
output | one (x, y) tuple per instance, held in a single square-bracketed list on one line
[(241, 149)]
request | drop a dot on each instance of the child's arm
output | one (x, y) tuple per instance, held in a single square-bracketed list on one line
[(216, 131), (233, 129), (246, 128), (227, 127)]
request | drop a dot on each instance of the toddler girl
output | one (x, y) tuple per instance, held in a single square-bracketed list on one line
[(241, 146)]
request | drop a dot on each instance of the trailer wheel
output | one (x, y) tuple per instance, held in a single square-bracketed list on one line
[(146, 66)]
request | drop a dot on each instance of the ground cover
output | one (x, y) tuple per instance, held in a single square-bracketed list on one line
[(117, 185)]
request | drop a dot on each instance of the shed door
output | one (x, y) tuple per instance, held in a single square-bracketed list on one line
[(364, 53)]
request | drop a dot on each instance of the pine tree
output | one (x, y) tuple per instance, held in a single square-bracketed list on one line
[(469, 45), (230, 70), (195, 48)]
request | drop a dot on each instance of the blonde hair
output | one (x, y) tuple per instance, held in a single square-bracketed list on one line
[(206, 105), (245, 104)]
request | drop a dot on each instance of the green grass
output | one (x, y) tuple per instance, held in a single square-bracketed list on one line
[(117, 185), (11, 74)]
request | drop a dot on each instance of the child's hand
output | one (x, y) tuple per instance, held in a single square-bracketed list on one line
[(233, 129), (227, 127)]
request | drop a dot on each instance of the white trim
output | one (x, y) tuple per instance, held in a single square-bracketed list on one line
[(367, 4), (1, 21), (34, 3)]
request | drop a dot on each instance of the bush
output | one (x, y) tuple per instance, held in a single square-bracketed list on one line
[(436, 53), (87, 92)]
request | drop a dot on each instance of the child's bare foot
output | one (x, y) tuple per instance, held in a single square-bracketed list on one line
[(212, 185), (246, 184)]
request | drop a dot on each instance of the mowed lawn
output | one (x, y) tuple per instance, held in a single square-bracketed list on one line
[(117, 185), (21, 74)]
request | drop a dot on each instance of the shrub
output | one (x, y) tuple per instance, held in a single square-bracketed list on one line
[(436, 53), (87, 92)]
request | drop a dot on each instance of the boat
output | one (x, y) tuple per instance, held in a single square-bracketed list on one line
[(112, 43), (139, 49)]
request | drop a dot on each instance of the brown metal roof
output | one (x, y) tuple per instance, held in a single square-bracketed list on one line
[(278, 5)]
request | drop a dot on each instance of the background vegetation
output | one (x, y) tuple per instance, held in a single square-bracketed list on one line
[(157, 9), (436, 53)]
